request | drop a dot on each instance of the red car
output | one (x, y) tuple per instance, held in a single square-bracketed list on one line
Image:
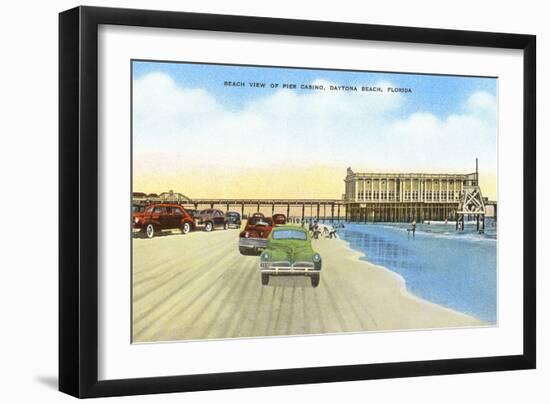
[(279, 218), (253, 238), (162, 216)]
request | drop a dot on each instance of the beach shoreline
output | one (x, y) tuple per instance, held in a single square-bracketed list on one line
[(198, 286), (363, 257)]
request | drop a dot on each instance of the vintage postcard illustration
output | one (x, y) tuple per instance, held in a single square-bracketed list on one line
[(278, 201)]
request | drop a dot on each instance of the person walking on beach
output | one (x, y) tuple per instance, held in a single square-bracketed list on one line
[(316, 230)]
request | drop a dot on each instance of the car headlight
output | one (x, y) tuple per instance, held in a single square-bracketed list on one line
[(316, 257), (136, 219), (265, 256)]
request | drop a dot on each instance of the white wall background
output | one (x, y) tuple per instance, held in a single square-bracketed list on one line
[(28, 231)]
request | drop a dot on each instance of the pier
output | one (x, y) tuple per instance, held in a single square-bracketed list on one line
[(320, 209), (404, 197), (294, 209), (368, 198)]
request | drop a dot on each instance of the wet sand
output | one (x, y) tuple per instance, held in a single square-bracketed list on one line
[(198, 286)]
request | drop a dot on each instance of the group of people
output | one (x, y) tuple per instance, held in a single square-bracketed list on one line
[(321, 230)]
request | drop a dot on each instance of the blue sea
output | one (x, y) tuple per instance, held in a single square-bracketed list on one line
[(456, 269)]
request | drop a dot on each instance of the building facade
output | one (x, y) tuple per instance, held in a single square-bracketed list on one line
[(404, 197)]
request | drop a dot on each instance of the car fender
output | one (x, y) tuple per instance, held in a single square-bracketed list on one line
[(155, 224), (191, 223), (318, 265)]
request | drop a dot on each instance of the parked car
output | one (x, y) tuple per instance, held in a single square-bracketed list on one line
[(210, 219), (162, 216), (289, 252), (253, 238), (233, 219), (279, 219)]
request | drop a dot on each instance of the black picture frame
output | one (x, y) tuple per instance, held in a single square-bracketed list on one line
[(78, 196)]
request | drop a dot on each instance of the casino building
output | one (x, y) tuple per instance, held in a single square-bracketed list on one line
[(404, 197)]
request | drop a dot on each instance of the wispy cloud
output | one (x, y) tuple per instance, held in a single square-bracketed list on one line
[(190, 127)]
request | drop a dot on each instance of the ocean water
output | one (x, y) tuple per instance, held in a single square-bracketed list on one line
[(452, 268)]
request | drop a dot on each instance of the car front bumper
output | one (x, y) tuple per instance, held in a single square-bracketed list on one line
[(251, 243), (290, 269)]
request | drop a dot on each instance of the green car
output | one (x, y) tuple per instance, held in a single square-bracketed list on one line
[(289, 252)]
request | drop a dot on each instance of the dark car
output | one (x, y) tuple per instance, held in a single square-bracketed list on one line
[(162, 216), (279, 219), (233, 219), (210, 219), (253, 239), (192, 212)]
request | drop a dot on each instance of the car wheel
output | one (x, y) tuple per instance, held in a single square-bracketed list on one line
[(208, 226), (186, 228), (243, 251), (315, 279), (225, 226), (265, 279), (150, 231)]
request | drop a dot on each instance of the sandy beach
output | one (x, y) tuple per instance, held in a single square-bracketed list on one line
[(198, 286)]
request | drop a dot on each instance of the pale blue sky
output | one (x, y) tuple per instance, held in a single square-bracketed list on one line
[(440, 95)]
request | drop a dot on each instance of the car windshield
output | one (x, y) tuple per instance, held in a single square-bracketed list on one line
[(289, 235)]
